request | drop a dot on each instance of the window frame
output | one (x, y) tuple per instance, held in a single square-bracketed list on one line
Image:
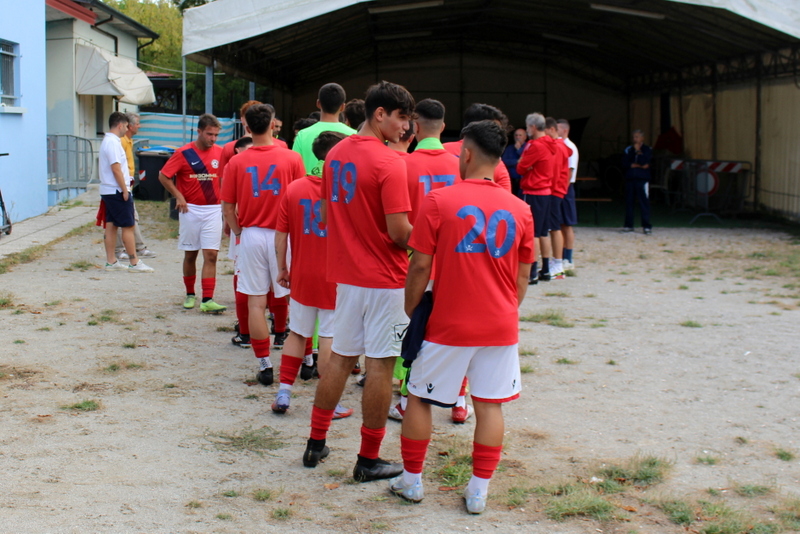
[(12, 58)]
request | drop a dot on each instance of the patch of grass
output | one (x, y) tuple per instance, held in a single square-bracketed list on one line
[(230, 493), (679, 512), (683, 286), (557, 294), (262, 495), (194, 504), (550, 317), (224, 517), (37, 251), (129, 345), (528, 352), (695, 279), (526, 369), (160, 316), (169, 386), (251, 397), (582, 502), (336, 472), (589, 295), (107, 316), (611, 362), (714, 492), (455, 467), (719, 518), (83, 266), (6, 300), (228, 272), (597, 325), (783, 454), (113, 368), (740, 440), (691, 324), (281, 514), (19, 341), (517, 495), (17, 312), (696, 258), (707, 460), (571, 273), (258, 440), (566, 361), (788, 512), (225, 329), (637, 471), (43, 329), (83, 406), (752, 490)]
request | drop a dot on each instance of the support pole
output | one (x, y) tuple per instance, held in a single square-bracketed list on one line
[(252, 91), (757, 179), (183, 98), (714, 112), (210, 89)]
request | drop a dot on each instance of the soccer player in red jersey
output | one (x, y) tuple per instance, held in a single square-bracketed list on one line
[(536, 168), (254, 183), (365, 204), (313, 297), (482, 241), (481, 112), (229, 148), (195, 167), (402, 146), (559, 188)]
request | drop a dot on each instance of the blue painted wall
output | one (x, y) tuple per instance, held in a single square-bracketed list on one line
[(23, 174)]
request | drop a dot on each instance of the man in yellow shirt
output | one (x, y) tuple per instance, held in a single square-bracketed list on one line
[(127, 145)]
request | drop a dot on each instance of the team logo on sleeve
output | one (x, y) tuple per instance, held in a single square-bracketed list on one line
[(215, 163)]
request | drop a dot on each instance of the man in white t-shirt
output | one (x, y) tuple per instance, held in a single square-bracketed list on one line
[(117, 200), (569, 214)]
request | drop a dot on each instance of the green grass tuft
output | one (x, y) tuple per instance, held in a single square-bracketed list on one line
[(262, 495), (281, 514), (455, 467), (230, 493), (83, 406), (194, 504), (691, 324), (783, 454), (224, 517), (752, 490), (582, 502), (258, 440), (637, 471), (679, 512), (550, 317), (517, 496), (707, 460), (566, 361)]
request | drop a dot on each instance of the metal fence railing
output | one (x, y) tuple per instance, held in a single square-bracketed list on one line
[(70, 161)]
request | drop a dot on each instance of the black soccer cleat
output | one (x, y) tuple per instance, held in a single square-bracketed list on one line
[(380, 469), (544, 277), (280, 337), (242, 340), (265, 377), (307, 371), (313, 456)]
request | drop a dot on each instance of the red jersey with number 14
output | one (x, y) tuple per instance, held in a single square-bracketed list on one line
[(300, 217), (256, 179), (363, 180), (478, 235), (196, 173)]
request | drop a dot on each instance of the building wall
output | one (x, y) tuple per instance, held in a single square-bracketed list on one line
[(23, 174), (780, 156)]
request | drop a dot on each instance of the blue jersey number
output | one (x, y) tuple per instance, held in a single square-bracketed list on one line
[(428, 180), (469, 244), (269, 183), (344, 181), (312, 219)]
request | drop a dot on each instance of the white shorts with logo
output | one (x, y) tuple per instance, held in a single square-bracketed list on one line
[(369, 321), (493, 373), (257, 263), (304, 319), (200, 228)]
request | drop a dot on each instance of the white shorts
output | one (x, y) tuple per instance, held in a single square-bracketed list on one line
[(304, 319), (200, 228), (438, 371), (257, 263), (368, 321)]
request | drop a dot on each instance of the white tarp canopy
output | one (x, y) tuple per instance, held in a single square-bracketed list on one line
[(98, 72), (226, 21)]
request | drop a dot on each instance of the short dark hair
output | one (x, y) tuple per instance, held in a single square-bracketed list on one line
[(484, 112), (354, 112), (565, 122), (550, 122), (325, 142), (316, 115), (243, 142), (115, 118), (331, 97), (258, 118), (488, 136), (303, 123), (207, 120), (390, 97), (430, 109)]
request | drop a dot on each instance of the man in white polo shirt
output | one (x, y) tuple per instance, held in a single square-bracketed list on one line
[(117, 200), (569, 215)]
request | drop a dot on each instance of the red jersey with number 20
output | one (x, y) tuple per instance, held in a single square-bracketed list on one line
[(363, 181), (196, 173), (300, 217), (256, 179), (478, 235)]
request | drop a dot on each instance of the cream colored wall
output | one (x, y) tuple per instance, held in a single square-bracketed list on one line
[(780, 152)]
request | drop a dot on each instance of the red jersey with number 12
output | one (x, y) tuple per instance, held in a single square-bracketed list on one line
[(300, 217), (478, 235), (198, 178), (256, 179), (363, 180)]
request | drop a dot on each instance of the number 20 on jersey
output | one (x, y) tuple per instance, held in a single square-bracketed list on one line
[(470, 244)]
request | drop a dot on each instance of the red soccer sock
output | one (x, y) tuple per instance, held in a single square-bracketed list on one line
[(280, 311), (309, 346), (320, 422), (290, 365), (242, 313), (260, 347), (208, 285), (189, 281), (463, 388), (371, 439), (485, 460), (413, 452)]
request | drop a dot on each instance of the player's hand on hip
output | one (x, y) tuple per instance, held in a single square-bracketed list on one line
[(180, 204)]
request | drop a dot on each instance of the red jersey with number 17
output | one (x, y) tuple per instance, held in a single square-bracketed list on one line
[(429, 170), (363, 180), (256, 179), (300, 217), (478, 235), (501, 176), (196, 173)]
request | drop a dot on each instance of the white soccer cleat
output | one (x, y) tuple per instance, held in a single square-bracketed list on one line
[(413, 493), (140, 268), (116, 266), (475, 501)]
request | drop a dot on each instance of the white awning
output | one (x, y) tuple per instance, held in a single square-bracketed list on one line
[(782, 15), (98, 72)]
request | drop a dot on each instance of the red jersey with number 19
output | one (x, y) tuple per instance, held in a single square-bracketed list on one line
[(299, 217), (478, 235), (256, 179), (196, 173), (363, 180)]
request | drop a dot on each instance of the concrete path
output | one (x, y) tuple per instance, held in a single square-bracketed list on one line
[(48, 227)]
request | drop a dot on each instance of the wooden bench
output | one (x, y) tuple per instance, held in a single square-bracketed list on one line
[(596, 203)]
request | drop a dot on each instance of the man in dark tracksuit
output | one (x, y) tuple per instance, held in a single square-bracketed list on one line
[(636, 162)]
